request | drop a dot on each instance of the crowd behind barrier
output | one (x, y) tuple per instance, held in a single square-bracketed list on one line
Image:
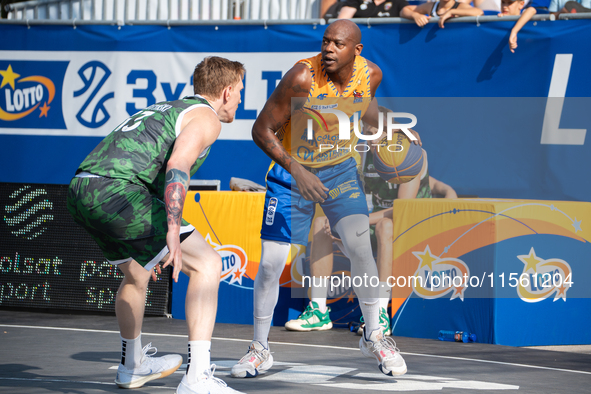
[(537, 146), (201, 10), (194, 10), (419, 11)]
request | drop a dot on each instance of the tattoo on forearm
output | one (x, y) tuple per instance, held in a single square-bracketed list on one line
[(177, 184)]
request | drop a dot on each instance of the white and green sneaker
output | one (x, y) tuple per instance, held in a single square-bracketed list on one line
[(384, 323), (311, 319)]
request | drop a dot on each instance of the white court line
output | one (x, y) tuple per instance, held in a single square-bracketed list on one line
[(309, 345), (72, 381)]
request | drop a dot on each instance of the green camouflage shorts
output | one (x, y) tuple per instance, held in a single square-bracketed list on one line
[(124, 219)]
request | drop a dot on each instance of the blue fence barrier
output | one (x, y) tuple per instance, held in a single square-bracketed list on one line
[(65, 87)]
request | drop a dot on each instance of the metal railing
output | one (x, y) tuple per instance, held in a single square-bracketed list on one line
[(464, 19), (151, 10), (578, 15)]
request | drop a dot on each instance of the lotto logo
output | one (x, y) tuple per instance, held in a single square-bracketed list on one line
[(30, 94)]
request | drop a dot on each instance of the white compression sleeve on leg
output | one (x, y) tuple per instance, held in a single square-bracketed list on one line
[(266, 285), (354, 233)]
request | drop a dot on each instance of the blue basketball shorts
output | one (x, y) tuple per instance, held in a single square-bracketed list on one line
[(288, 216)]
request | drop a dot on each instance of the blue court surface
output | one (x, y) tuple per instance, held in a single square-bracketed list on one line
[(59, 353)]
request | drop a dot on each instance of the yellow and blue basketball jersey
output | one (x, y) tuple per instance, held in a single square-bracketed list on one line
[(288, 216), (325, 148)]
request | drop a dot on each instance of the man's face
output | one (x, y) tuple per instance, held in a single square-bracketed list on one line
[(509, 7), (338, 50), (233, 102)]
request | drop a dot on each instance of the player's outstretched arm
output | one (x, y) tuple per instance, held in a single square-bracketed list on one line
[(410, 189), (275, 113), (440, 188), (200, 129), (375, 217)]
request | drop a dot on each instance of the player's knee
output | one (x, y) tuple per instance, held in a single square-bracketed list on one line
[(269, 271), (209, 265), (140, 282), (385, 229), (216, 264), (363, 255)]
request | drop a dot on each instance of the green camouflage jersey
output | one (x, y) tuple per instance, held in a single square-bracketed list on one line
[(138, 150), (384, 193)]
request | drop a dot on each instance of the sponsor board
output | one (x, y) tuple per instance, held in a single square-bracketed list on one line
[(89, 93)]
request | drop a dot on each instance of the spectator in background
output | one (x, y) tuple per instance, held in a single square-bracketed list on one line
[(329, 9), (572, 7), (316, 315), (511, 7), (490, 7), (445, 9), (565, 6), (377, 9), (529, 12)]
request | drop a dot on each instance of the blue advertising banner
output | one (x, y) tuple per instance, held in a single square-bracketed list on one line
[(510, 271), (63, 89)]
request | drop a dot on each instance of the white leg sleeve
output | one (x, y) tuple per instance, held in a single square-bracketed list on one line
[(354, 232), (266, 284)]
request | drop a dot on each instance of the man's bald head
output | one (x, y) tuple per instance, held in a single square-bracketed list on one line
[(347, 28), (340, 45)]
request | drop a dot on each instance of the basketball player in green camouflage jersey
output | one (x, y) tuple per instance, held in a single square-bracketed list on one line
[(316, 315), (129, 195)]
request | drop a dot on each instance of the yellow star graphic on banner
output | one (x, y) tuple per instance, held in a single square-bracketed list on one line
[(351, 297), (530, 261), (561, 291), (8, 77), (426, 258), (44, 110)]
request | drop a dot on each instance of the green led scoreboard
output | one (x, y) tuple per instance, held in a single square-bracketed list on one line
[(49, 262)]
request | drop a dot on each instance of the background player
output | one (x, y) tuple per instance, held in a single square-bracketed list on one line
[(316, 315), (129, 195), (338, 72)]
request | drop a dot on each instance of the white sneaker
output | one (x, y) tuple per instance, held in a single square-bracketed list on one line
[(256, 361), (384, 350), (211, 385), (150, 368)]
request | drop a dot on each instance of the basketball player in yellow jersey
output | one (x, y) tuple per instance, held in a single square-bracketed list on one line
[(321, 150), (299, 180)]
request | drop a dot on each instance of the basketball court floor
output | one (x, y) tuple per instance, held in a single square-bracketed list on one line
[(44, 353)]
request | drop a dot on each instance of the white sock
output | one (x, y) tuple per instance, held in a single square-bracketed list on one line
[(198, 360), (371, 315), (131, 352), (321, 303), (318, 292), (262, 326), (385, 295)]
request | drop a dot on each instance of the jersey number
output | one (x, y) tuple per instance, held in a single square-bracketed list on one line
[(138, 120)]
